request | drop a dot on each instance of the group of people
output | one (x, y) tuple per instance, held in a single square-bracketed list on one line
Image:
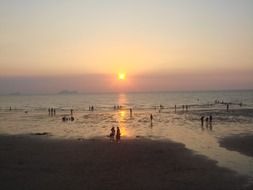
[(91, 108), (51, 111), (112, 134), (208, 120), (117, 107), (185, 107), (68, 118)]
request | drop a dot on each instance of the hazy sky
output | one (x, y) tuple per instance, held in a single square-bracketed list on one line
[(49, 45)]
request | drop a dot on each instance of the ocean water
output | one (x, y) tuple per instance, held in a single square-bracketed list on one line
[(29, 115)]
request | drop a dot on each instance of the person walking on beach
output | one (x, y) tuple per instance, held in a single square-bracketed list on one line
[(131, 112), (118, 134), (49, 111), (175, 108), (54, 111), (71, 112), (227, 107)]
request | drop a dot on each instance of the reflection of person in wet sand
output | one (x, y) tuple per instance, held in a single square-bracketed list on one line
[(112, 134), (118, 134)]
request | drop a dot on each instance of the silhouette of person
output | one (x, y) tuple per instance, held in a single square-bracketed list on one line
[(183, 107), (48, 111), (54, 112), (131, 112), (71, 112), (10, 108), (151, 118), (202, 120), (207, 122), (51, 111), (118, 134), (112, 134), (210, 119), (175, 108), (227, 107), (186, 107), (211, 122)]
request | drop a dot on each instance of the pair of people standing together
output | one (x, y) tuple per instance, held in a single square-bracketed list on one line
[(112, 134)]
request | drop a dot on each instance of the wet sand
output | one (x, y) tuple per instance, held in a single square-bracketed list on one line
[(241, 143), (38, 162)]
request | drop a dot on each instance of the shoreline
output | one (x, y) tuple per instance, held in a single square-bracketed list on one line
[(32, 162)]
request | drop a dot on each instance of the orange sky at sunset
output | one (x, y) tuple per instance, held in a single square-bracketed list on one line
[(47, 46)]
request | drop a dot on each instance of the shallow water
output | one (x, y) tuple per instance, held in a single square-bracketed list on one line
[(180, 126)]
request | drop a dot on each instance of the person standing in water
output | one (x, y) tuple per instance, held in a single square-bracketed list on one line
[(211, 122), (207, 122), (202, 121), (131, 112), (151, 119), (118, 134), (210, 119), (51, 111)]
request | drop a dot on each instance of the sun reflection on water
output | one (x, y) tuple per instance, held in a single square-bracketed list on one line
[(122, 100), (121, 120)]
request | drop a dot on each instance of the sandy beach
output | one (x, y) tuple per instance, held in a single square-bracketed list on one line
[(39, 162)]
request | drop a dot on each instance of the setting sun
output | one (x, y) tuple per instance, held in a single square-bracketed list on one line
[(121, 76)]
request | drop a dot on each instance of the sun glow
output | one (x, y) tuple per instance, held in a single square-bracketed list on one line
[(121, 76)]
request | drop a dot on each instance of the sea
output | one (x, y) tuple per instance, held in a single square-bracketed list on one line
[(232, 114)]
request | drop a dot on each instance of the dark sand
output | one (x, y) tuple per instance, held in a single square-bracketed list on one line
[(240, 143), (41, 163)]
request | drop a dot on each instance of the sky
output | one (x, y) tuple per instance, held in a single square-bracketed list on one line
[(161, 45)]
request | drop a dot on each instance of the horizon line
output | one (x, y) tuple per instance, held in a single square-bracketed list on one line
[(75, 92)]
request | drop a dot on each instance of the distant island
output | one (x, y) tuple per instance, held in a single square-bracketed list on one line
[(67, 92)]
